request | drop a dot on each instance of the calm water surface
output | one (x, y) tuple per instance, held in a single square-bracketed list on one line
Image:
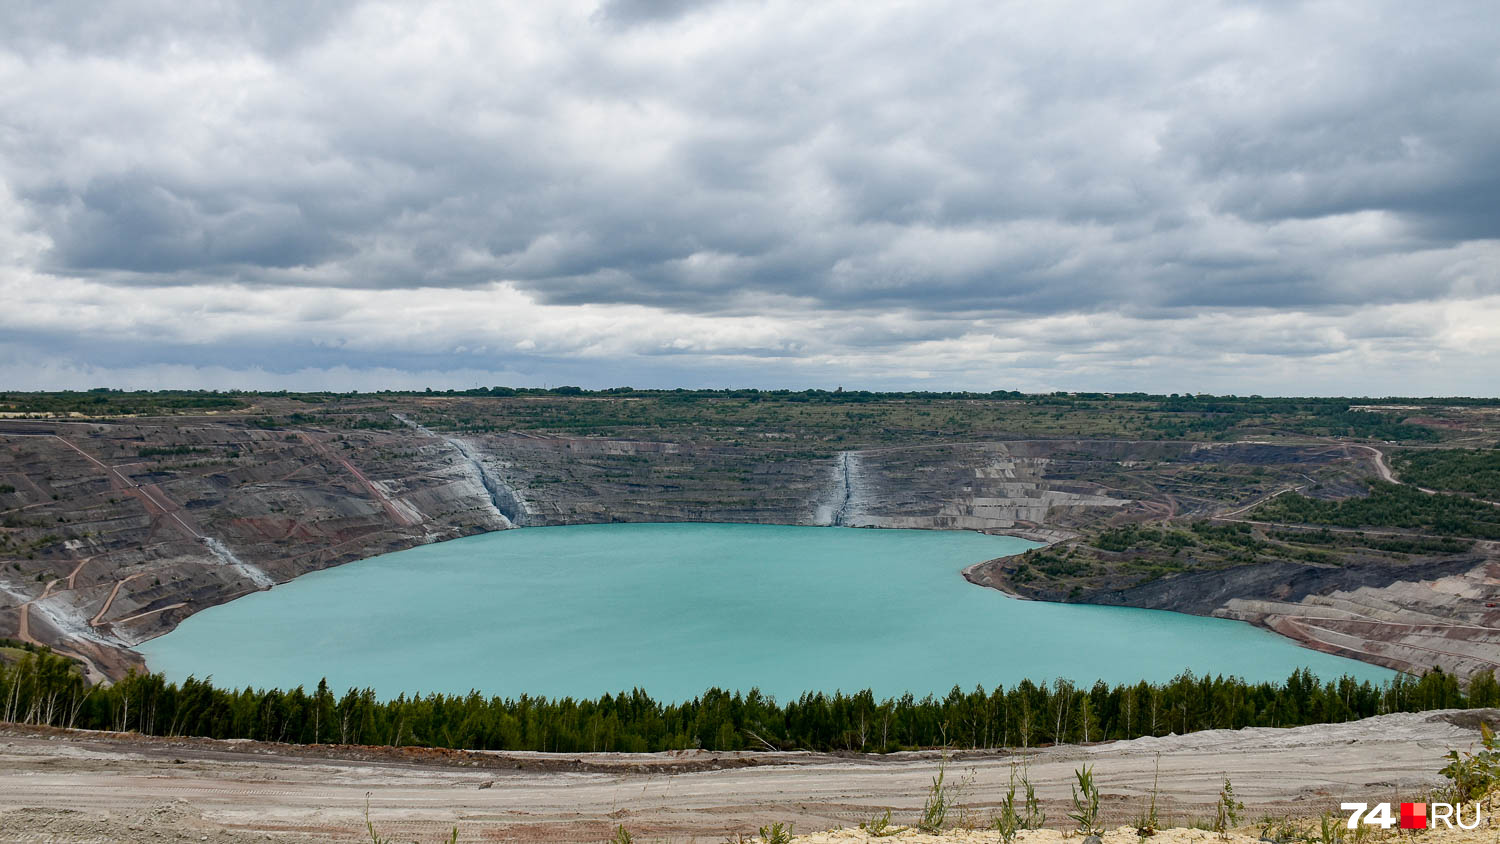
[(676, 608)]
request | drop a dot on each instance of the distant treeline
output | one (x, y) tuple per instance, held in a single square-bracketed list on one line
[(1168, 416), (1183, 415), (1184, 402), (43, 688), (102, 402)]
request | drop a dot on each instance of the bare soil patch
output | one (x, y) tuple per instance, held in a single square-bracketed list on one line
[(69, 786)]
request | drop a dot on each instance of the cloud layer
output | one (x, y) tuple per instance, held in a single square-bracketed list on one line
[(1273, 197)]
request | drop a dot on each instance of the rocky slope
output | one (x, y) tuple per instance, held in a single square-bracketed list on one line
[(1433, 613), (114, 531)]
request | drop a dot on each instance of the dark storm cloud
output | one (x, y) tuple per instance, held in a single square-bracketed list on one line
[(1402, 128), (631, 12), (1001, 159), (132, 224)]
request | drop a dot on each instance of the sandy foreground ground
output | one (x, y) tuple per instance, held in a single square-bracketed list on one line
[(1486, 833), (83, 787)]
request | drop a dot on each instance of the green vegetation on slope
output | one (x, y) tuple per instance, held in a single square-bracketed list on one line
[(43, 688), (1389, 505), (1455, 470), (859, 416), (172, 451), (748, 417), (102, 402), (1182, 416), (1129, 555)]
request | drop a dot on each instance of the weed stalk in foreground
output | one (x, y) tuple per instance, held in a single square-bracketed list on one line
[(939, 801), (1147, 823), (1086, 802), (1008, 821), (1227, 812), (1328, 829), (1034, 818)]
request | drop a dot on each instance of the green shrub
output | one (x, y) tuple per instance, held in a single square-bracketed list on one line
[(776, 833), (1472, 775)]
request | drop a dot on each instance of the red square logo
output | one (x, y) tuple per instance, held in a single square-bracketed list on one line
[(1413, 815)]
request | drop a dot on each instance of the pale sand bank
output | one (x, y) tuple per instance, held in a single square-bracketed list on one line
[(77, 787)]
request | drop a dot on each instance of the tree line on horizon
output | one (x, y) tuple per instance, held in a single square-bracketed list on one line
[(1171, 415), (45, 688), (1185, 400)]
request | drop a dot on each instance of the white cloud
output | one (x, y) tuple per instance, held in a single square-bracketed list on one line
[(1292, 197)]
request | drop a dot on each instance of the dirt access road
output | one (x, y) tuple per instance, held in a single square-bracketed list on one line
[(99, 786)]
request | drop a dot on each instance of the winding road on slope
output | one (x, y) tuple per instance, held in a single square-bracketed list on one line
[(1378, 457)]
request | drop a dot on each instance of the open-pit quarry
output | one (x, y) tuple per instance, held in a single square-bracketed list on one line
[(116, 529)]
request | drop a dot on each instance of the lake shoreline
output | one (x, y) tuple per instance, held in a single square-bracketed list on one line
[(683, 615)]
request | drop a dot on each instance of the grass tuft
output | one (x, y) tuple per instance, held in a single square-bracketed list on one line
[(776, 833), (880, 826)]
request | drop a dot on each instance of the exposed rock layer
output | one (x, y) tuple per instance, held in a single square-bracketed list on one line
[(114, 532), (1411, 618)]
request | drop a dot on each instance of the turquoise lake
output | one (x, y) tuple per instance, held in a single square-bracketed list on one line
[(677, 608)]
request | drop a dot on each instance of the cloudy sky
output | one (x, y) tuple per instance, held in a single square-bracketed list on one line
[(1273, 197)]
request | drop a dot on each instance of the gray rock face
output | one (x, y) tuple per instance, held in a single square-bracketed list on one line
[(840, 505), (978, 486), (504, 500), (249, 572)]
